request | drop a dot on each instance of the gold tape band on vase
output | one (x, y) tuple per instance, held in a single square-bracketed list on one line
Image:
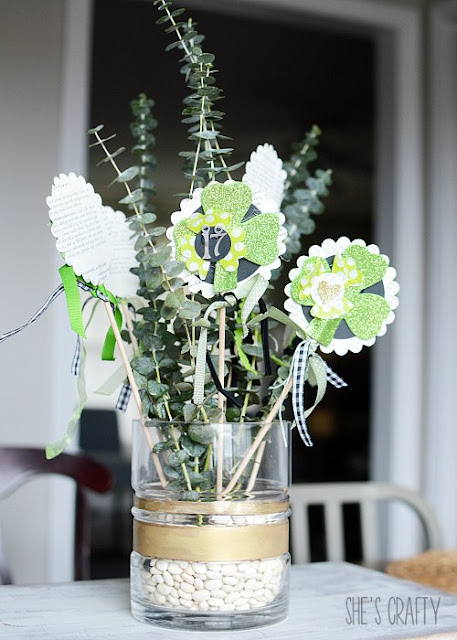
[(209, 543), (220, 507)]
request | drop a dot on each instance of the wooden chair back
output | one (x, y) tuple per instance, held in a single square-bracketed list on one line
[(19, 464)]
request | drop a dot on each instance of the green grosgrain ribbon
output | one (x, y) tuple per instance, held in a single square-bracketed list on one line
[(110, 341), (72, 296), (70, 284)]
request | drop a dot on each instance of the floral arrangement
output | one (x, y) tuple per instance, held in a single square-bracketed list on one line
[(194, 295)]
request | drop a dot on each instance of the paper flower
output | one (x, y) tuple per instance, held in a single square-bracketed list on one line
[(265, 173), (342, 295), (119, 280), (224, 239), (77, 220)]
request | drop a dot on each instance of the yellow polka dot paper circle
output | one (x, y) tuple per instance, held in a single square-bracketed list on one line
[(225, 239), (342, 295)]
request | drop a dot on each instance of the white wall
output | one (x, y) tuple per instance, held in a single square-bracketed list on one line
[(43, 49), (441, 303)]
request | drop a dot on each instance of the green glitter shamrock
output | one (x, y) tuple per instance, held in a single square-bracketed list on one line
[(226, 239), (342, 297)]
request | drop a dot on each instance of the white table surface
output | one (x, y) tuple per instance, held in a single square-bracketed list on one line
[(100, 610)]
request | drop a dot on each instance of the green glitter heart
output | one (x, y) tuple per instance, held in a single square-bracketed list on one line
[(296, 285), (365, 320), (180, 232), (234, 198), (323, 330), (373, 267), (262, 238), (224, 280)]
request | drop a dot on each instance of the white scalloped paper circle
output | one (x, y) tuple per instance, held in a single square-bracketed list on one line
[(188, 206), (76, 214), (120, 281), (328, 249), (265, 175)]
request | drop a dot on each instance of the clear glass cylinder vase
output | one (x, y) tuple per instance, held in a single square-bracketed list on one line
[(211, 510)]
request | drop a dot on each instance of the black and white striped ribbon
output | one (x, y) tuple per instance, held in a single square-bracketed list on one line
[(300, 373)]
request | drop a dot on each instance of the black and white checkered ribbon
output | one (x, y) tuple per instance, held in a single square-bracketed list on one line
[(76, 362), (124, 397), (300, 373), (86, 287), (54, 295), (301, 362), (334, 378), (126, 390)]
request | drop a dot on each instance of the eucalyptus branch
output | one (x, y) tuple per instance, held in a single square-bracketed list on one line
[(204, 120), (303, 194)]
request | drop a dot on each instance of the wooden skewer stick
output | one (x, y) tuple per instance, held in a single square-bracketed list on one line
[(256, 466), (260, 436), (128, 322), (136, 393), (220, 403)]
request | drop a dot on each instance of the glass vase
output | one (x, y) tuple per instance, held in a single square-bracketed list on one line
[(211, 515)]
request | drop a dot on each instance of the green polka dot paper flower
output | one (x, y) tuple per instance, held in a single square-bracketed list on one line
[(224, 239), (342, 295)]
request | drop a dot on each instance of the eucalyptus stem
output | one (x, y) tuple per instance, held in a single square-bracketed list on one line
[(250, 381), (199, 70), (301, 159)]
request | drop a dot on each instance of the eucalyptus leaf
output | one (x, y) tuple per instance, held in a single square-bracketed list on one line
[(157, 389), (190, 496), (189, 412), (141, 242), (164, 446), (173, 268), (133, 197), (201, 433), (177, 458), (194, 449), (96, 129), (160, 256), (171, 472), (148, 218), (190, 310), (157, 231), (143, 365), (128, 174)]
